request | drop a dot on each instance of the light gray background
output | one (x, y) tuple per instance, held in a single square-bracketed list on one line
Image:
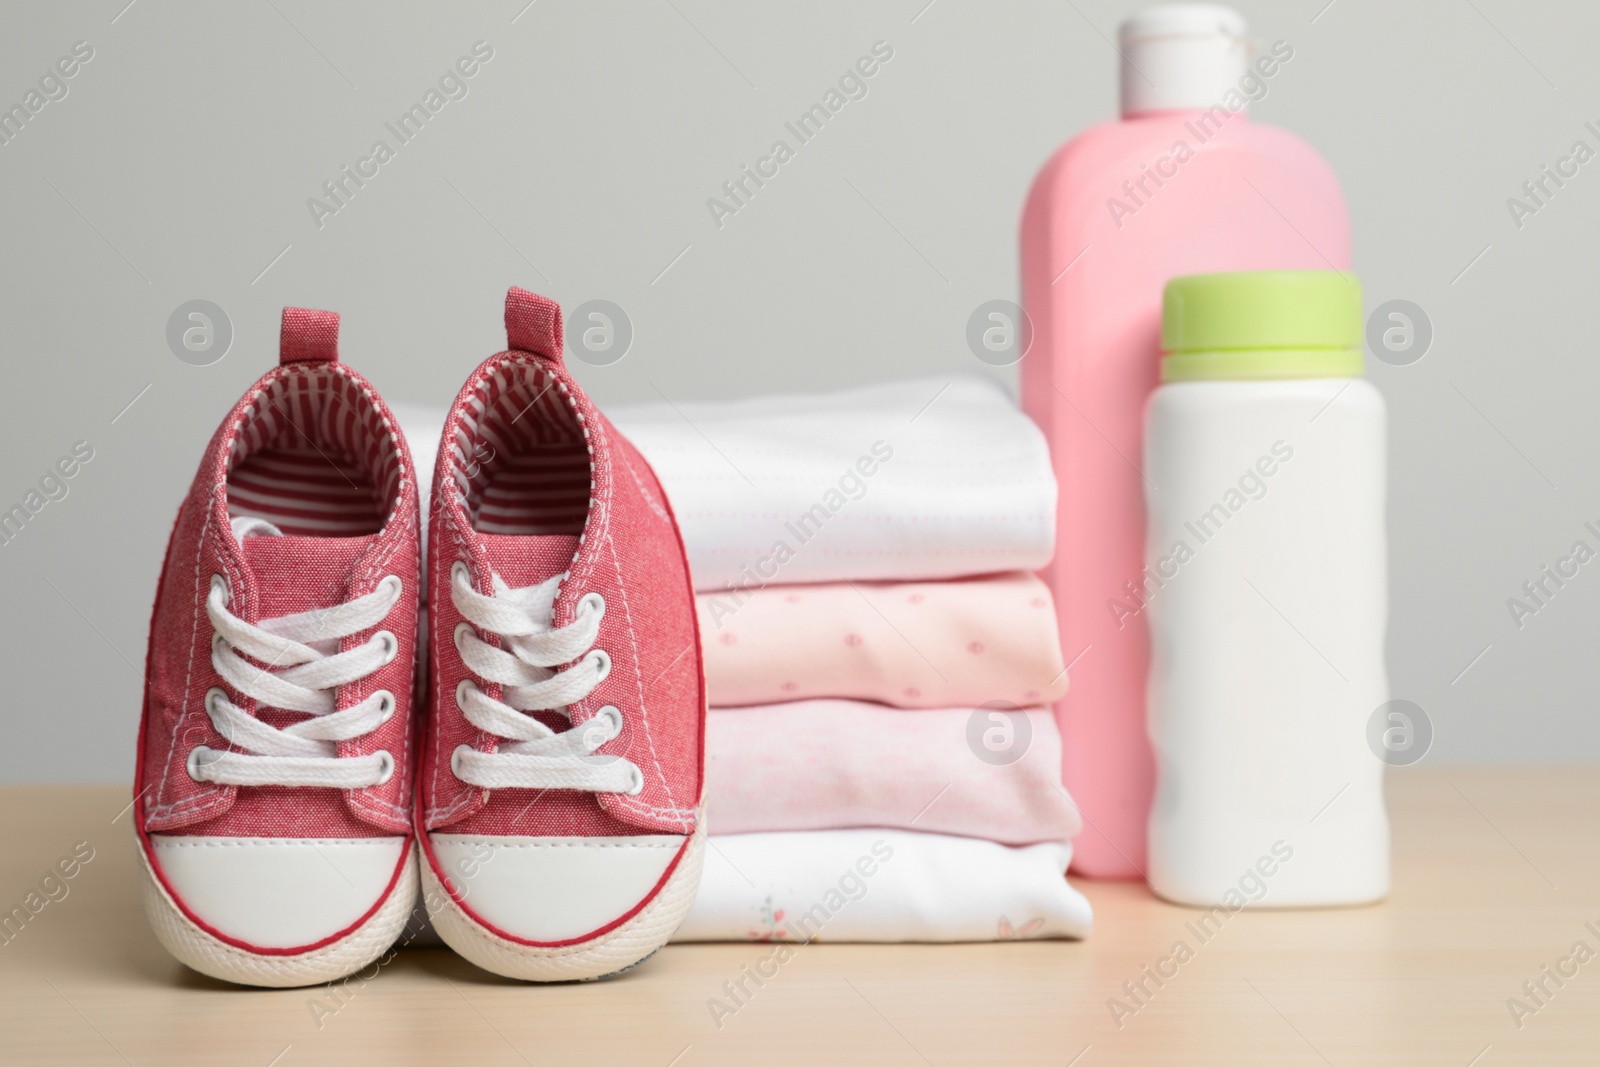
[(179, 165)]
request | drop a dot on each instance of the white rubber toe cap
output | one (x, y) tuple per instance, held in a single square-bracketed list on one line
[(554, 889), (277, 893)]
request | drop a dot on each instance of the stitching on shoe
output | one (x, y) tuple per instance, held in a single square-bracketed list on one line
[(247, 406), (213, 796), (183, 711), (594, 535), (649, 497), (683, 816), (297, 842), (593, 842), (361, 799), (466, 794), (602, 506), (644, 710)]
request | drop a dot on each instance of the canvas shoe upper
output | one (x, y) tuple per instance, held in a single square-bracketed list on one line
[(561, 782), (276, 759)]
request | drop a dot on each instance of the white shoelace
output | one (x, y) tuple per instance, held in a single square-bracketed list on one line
[(537, 757), (298, 677)]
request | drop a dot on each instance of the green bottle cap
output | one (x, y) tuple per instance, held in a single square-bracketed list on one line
[(1261, 324)]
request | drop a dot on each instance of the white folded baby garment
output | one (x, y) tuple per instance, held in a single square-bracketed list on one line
[(882, 885), (927, 478)]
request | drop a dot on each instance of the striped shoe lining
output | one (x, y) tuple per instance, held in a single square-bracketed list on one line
[(521, 457), (314, 456)]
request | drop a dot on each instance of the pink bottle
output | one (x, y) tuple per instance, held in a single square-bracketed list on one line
[(1183, 184)]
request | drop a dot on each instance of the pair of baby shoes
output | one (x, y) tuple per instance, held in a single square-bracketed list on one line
[(507, 722)]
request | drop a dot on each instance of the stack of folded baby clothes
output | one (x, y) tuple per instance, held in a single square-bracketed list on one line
[(882, 764)]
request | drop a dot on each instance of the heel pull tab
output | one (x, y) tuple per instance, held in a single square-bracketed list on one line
[(309, 336), (533, 324)]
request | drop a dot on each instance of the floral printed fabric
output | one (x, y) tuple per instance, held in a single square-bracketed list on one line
[(882, 885)]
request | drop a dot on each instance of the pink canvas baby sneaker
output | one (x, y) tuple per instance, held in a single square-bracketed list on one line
[(276, 761), (561, 777)]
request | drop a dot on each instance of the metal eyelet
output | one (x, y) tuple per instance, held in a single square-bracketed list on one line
[(219, 582), (461, 693), (386, 703), (214, 694), (603, 667), (460, 572), (462, 629), (393, 581), (638, 783), (386, 761), (608, 720), (192, 764), (455, 760), (594, 602), (391, 645)]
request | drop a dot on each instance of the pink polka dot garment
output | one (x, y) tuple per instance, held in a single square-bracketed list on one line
[(910, 644)]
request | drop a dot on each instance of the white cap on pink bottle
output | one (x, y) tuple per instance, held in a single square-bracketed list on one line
[(1181, 57)]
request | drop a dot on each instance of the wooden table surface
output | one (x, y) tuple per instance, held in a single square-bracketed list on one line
[(1496, 874)]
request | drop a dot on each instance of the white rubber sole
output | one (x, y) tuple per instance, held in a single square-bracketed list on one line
[(197, 949), (606, 955)]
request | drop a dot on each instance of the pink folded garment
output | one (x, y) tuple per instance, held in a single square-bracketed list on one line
[(943, 644), (830, 764)]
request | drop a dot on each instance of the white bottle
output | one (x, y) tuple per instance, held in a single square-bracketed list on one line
[(1266, 595)]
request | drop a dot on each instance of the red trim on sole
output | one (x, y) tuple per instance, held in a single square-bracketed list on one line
[(461, 901), (394, 880)]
